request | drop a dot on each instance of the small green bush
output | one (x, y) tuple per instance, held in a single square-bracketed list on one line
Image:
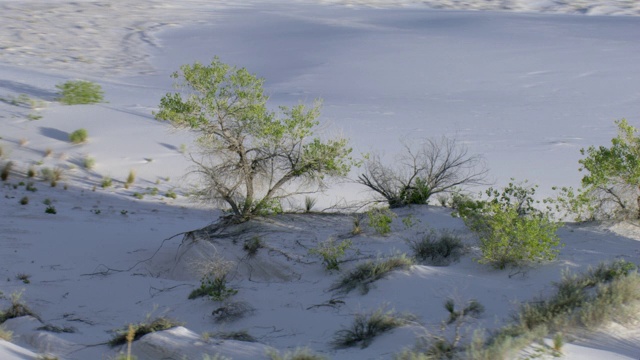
[(331, 252), (50, 210), (88, 162), (368, 272), (106, 182), (511, 231), (366, 327), (171, 194), (24, 200), (141, 329), (437, 248), (131, 178), (79, 136), (380, 220), (252, 246), (79, 92)]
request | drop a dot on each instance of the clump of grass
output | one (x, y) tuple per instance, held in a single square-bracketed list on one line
[(31, 187), (214, 282), (171, 194), (297, 354), (473, 309), (437, 248), (135, 331), (16, 309), (6, 171), (24, 200), (5, 334), (79, 136), (131, 178), (56, 175), (25, 278), (48, 152), (368, 272), (23, 141), (51, 210), (331, 252), (366, 327), (106, 182), (357, 224), (31, 172), (75, 92), (309, 203), (138, 195), (252, 246), (88, 162)]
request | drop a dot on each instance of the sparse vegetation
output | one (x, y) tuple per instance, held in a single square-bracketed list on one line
[(214, 281), (51, 210), (366, 327), (141, 329), (231, 311), (370, 271), (79, 136), (138, 195), (76, 92), (331, 252), (25, 278), (6, 171), (437, 248), (16, 309), (5, 334), (240, 335), (297, 354), (131, 178), (171, 194), (106, 182), (380, 220), (437, 166), (252, 246), (88, 162), (31, 172), (24, 200), (309, 203)]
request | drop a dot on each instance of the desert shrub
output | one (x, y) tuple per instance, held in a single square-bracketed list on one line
[(437, 248), (50, 209), (331, 252), (31, 172), (252, 246), (435, 167), (472, 309), (79, 136), (368, 272), (231, 311), (24, 200), (138, 195), (510, 229), (6, 171), (106, 182), (297, 354), (16, 309), (141, 329), (30, 187), (56, 175), (79, 92), (380, 220), (357, 224), (366, 327), (171, 194), (88, 162), (131, 178), (214, 280)]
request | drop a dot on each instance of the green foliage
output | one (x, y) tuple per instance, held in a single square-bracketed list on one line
[(138, 195), (88, 162), (51, 210), (214, 286), (612, 179), (241, 335), (380, 220), (24, 200), (331, 252), (249, 154), (141, 329), (31, 187), (437, 248), (131, 178), (17, 309), (106, 182), (368, 272), (79, 92), (366, 327), (31, 172), (473, 309), (309, 203), (79, 136), (510, 229), (171, 194)]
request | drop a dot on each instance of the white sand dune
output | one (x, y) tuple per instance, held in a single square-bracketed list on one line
[(526, 87)]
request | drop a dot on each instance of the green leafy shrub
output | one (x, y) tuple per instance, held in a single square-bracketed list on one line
[(79, 92), (79, 136), (171, 194), (366, 327), (106, 182), (88, 162), (437, 248), (141, 329), (50, 210), (380, 220), (510, 229), (331, 252), (215, 287), (368, 272)]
